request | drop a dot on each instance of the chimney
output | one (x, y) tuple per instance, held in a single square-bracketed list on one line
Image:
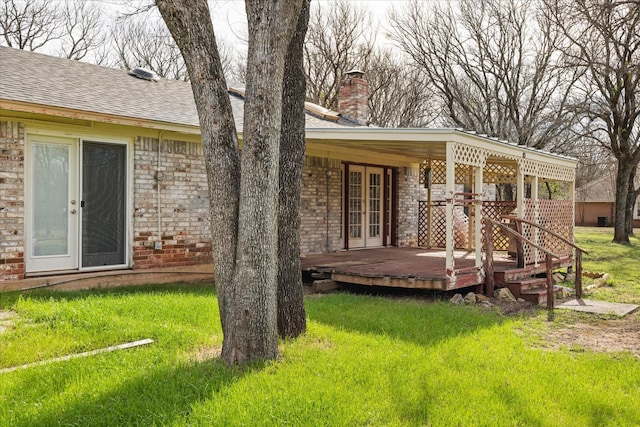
[(353, 98)]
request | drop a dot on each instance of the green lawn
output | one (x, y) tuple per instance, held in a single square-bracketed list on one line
[(621, 262), (364, 361)]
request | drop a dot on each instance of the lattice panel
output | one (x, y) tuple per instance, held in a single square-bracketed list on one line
[(529, 232), (469, 155), (439, 226), (439, 172), (556, 215), (546, 170), (495, 209), (494, 173), (551, 171)]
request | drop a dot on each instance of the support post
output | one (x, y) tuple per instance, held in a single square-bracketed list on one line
[(450, 200), (488, 268), (578, 273), (477, 207), (550, 295)]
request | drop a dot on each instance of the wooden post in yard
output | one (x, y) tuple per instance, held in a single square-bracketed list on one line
[(488, 255), (550, 296), (578, 274)]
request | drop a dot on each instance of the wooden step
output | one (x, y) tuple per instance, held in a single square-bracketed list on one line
[(539, 296), (519, 286), (324, 285), (319, 275)]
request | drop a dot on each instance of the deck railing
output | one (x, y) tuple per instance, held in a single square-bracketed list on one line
[(490, 223)]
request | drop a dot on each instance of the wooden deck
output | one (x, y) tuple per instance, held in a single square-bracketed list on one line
[(394, 267)]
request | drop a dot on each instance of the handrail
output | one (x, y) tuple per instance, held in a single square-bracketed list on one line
[(553, 233), (579, 250), (489, 261), (521, 237)]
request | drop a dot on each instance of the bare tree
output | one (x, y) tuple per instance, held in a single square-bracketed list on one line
[(603, 42), (28, 25), (243, 188), (82, 33), (491, 65), (138, 43), (74, 29), (399, 96), (340, 38)]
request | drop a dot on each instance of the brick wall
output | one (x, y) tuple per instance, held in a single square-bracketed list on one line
[(12, 143), (184, 211), (410, 191), (321, 188)]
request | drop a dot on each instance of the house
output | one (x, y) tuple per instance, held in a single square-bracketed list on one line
[(595, 203), (101, 171)]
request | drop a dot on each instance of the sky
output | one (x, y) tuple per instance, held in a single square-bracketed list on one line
[(229, 17)]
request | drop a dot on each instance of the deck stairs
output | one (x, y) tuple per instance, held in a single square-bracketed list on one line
[(530, 282)]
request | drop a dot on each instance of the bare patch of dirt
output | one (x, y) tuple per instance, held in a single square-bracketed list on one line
[(205, 354), (598, 335)]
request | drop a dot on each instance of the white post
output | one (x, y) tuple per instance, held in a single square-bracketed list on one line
[(450, 186), (478, 186), (519, 192)]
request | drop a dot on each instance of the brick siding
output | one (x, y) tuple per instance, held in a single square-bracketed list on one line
[(12, 143), (184, 205)]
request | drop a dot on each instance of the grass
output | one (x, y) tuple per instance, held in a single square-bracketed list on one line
[(621, 262), (364, 361)]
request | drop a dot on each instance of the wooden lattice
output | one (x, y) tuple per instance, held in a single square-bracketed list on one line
[(495, 210), (469, 155), (494, 173), (556, 215), (439, 172), (439, 225)]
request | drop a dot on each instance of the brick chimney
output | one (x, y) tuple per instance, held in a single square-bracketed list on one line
[(353, 98)]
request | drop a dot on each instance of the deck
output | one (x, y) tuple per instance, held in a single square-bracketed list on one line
[(414, 268)]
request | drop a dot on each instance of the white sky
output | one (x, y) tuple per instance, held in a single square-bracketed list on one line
[(229, 18)]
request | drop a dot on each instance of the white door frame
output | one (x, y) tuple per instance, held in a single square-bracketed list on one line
[(36, 259), (366, 206)]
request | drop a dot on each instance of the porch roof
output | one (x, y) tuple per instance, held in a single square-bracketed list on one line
[(417, 144)]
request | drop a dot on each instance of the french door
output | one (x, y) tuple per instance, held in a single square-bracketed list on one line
[(75, 204), (366, 206)]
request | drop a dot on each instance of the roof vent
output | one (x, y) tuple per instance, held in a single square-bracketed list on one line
[(144, 74)]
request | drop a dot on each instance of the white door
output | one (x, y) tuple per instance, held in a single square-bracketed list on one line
[(52, 204), (366, 206)]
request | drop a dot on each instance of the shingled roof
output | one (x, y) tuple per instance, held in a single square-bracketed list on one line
[(44, 80)]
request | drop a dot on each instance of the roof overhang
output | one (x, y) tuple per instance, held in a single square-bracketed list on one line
[(419, 144), (67, 113)]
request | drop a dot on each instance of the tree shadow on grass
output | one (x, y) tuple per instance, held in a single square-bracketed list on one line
[(416, 321), (9, 298), (160, 396)]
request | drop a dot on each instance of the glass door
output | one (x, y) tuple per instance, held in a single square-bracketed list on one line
[(374, 198), (103, 204), (52, 206), (356, 206)]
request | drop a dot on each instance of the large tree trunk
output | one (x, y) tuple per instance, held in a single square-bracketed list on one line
[(291, 314), (620, 234), (190, 26), (243, 191), (632, 196), (252, 333)]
